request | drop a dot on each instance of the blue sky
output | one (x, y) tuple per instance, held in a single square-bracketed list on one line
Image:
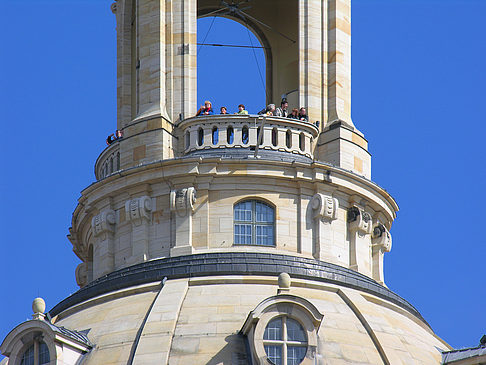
[(418, 96)]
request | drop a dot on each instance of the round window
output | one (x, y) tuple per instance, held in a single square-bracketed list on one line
[(285, 341)]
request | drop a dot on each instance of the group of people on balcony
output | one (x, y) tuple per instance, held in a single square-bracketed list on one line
[(270, 110), (114, 136)]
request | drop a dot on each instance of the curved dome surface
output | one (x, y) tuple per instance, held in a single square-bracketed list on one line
[(166, 311)]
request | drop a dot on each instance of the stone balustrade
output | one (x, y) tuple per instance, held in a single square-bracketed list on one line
[(242, 131), (108, 162)]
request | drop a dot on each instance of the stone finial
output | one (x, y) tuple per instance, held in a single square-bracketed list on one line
[(284, 282), (324, 206), (38, 307)]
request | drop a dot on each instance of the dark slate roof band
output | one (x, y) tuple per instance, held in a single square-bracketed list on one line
[(232, 263)]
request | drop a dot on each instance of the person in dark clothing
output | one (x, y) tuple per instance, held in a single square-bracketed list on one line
[(294, 114), (303, 115)]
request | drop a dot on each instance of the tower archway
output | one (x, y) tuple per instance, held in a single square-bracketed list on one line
[(275, 24), (232, 65)]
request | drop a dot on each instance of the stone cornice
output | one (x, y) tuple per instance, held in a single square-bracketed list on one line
[(232, 263)]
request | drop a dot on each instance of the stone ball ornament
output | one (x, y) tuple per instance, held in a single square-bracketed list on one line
[(38, 305), (284, 281)]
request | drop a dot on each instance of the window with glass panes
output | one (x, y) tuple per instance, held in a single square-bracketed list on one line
[(29, 357), (285, 341), (254, 223)]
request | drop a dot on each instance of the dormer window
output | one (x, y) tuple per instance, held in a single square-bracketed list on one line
[(282, 330), (40, 348)]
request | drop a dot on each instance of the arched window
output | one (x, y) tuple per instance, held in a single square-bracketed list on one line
[(215, 135), (288, 139), (284, 330), (302, 141), (187, 139), (111, 165), (200, 137), (285, 341), (254, 223), (230, 135), (118, 161), (29, 356), (274, 137), (244, 135)]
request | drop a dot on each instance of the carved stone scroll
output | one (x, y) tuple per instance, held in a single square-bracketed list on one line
[(103, 223), (139, 212), (360, 226), (381, 237), (324, 206), (82, 274), (138, 209), (182, 205), (324, 211), (381, 243), (103, 226), (359, 221), (182, 200)]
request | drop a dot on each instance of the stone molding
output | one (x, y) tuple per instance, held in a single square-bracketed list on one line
[(103, 223), (232, 263), (324, 206), (182, 200), (381, 237), (360, 221), (138, 209)]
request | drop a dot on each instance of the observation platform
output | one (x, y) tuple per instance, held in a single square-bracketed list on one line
[(283, 139)]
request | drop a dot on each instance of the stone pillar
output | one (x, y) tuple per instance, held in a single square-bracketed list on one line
[(381, 243), (313, 58), (182, 206), (103, 226), (324, 210), (339, 62), (182, 58), (360, 226), (150, 65), (139, 212)]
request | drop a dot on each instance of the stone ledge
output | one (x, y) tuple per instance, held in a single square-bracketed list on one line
[(232, 263)]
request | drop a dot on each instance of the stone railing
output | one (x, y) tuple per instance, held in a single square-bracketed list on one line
[(242, 131), (108, 162)]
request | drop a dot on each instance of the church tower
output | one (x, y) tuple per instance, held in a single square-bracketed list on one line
[(231, 239)]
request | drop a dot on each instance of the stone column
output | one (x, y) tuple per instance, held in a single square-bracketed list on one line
[(150, 18), (339, 62), (139, 212), (381, 243), (182, 58), (182, 206), (360, 226), (313, 58), (103, 226), (324, 208)]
